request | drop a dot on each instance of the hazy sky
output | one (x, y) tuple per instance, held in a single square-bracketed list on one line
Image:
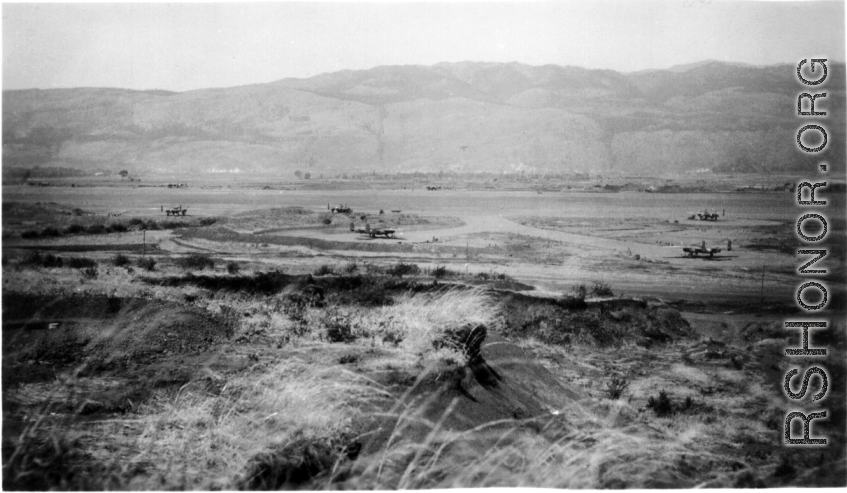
[(199, 45)]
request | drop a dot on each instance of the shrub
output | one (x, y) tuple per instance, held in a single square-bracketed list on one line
[(601, 289), (348, 359), (580, 291), (324, 270), (616, 386), (402, 269), (327, 221), (136, 221), (90, 272), (120, 260), (373, 269), (661, 406), (29, 234), (150, 225), (233, 267), (50, 231), (39, 260), (147, 263), (440, 272), (117, 228), (96, 229), (75, 229), (208, 221), (81, 263), (338, 329), (196, 261), (172, 224), (350, 268)]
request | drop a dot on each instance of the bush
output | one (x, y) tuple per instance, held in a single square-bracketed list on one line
[(208, 221), (327, 221), (136, 221), (74, 229), (120, 260), (147, 263), (150, 225), (233, 267), (661, 406), (81, 263), (96, 229), (90, 272), (402, 269), (39, 260), (117, 228), (172, 224), (29, 234), (324, 270), (601, 289), (580, 291), (351, 268), (338, 328), (50, 231), (196, 261), (616, 386), (440, 272)]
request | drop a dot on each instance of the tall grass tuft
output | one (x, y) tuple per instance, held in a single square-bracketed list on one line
[(421, 320), (222, 435)]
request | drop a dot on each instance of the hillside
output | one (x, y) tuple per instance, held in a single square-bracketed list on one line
[(497, 117)]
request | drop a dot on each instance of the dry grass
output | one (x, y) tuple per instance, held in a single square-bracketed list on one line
[(593, 446), (421, 319), (215, 436)]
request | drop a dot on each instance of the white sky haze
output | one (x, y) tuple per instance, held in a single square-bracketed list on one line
[(190, 46)]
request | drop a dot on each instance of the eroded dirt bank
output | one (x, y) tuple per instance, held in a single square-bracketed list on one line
[(131, 378)]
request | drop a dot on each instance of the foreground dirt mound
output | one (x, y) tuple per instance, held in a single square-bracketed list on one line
[(70, 329), (498, 387)]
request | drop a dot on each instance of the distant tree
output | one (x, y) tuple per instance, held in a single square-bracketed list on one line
[(298, 174), (124, 173), (307, 176)]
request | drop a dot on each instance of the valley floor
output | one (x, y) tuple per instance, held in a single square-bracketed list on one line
[(497, 340)]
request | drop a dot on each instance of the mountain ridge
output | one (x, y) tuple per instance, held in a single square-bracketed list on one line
[(452, 116)]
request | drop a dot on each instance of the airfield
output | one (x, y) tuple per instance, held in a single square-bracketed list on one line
[(257, 342), (553, 241)]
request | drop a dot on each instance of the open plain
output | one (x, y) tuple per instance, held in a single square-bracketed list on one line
[(519, 337)]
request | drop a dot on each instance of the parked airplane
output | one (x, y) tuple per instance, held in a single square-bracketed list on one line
[(696, 250), (375, 232)]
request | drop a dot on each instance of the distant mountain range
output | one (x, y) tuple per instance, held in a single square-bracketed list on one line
[(467, 117)]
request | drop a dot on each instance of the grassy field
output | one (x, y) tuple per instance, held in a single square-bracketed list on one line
[(266, 346)]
